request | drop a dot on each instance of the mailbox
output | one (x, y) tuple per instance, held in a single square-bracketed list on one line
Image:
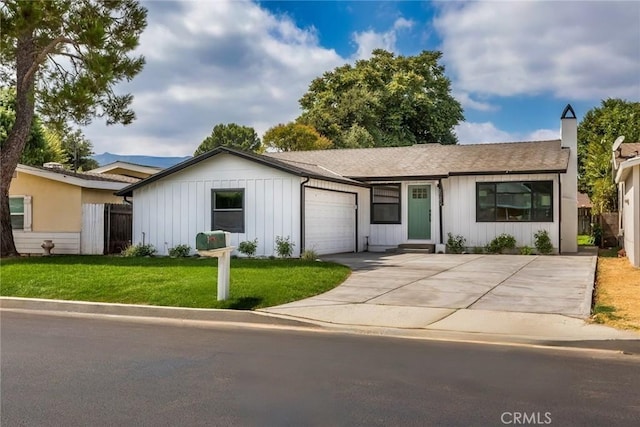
[(210, 240)]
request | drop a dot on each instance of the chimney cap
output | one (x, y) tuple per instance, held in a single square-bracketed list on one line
[(568, 110)]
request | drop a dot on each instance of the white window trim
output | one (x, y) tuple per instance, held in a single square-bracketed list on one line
[(28, 212)]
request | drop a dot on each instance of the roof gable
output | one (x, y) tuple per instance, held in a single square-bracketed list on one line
[(294, 168)]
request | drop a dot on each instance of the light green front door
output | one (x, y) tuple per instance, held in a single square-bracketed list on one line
[(419, 212)]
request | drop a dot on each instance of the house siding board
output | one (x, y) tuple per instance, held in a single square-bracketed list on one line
[(631, 216), (459, 212), (29, 242), (172, 210)]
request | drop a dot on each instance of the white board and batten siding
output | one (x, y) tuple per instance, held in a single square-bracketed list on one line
[(459, 212), (172, 210), (29, 242), (336, 217), (386, 236)]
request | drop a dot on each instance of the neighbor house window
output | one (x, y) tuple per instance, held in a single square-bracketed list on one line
[(385, 204), (514, 201), (20, 209), (227, 210)]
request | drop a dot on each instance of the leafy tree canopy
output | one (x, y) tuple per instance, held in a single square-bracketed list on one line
[(295, 137), (64, 58), (42, 145), (231, 135), (386, 100), (596, 133)]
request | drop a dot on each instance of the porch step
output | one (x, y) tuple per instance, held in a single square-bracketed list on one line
[(425, 248)]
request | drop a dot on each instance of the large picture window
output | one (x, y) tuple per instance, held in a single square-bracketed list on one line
[(227, 210), (514, 201), (385, 204)]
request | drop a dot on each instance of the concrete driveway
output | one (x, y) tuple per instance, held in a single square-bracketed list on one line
[(474, 293)]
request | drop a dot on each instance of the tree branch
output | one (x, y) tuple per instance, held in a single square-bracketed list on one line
[(41, 57)]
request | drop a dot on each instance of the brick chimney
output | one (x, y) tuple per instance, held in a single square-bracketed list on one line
[(569, 183)]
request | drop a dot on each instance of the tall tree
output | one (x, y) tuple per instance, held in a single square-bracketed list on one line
[(64, 58), (77, 150), (40, 146), (231, 135), (597, 131), (295, 137), (386, 100)]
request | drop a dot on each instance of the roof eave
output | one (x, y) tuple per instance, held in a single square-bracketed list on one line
[(508, 172)]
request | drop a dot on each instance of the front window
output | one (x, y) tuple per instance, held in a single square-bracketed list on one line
[(385, 204), (227, 210), (527, 201), (16, 207)]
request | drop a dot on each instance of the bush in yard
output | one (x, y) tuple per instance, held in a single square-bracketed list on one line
[(309, 255), (248, 247), (543, 242), (139, 250), (455, 244), (180, 251), (525, 250), (500, 243), (284, 246)]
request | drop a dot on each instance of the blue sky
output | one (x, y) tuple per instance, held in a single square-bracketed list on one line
[(513, 65)]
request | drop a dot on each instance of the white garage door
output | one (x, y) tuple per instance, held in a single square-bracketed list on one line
[(330, 221)]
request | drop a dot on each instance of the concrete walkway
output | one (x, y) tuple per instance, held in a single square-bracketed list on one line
[(534, 297)]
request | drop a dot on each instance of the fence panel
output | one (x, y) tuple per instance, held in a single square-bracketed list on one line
[(92, 233)]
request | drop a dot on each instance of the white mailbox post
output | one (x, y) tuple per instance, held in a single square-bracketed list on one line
[(224, 265)]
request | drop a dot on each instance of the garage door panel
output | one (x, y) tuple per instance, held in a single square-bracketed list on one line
[(330, 221)]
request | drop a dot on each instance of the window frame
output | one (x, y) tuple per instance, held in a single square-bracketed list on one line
[(26, 212), (241, 228), (398, 203), (532, 201)]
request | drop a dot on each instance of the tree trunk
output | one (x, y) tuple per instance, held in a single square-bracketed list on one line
[(14, 145)]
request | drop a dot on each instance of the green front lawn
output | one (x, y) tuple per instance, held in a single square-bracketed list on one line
[(180, 282)]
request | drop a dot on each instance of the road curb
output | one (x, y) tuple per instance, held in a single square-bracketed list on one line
[(133, 310)]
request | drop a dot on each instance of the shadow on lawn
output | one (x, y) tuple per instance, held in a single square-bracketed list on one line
[(244, 303)]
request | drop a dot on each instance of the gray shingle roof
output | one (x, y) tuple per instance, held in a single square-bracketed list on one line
[(435, 160), (629, 150)]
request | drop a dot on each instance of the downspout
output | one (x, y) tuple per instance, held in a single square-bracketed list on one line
[(302, 225), (440, 204), (559, 215), (128, 202)]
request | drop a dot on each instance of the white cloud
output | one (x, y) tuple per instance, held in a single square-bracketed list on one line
[(487, 132), (209, 63), (369, 40), (468, 103), (578, 50)]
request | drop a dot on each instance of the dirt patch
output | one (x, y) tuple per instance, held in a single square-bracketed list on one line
[(617, 298)]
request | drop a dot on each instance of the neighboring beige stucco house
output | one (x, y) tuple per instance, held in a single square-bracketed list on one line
[(47, 203), (627, 165)]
